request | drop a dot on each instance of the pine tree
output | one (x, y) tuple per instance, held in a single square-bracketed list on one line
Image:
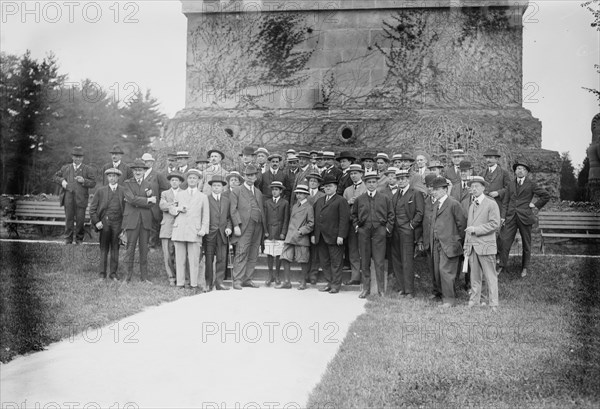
[(568, 184)]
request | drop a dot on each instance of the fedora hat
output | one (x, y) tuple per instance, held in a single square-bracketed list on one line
[(248, 151), (116, 149), (113, 171), (138, 164), (275, 155), (183, 154), (329, 179), (175, 174), (491, 152), (302, 189), (383, 156), (210, 152), (346, 155), (355, 167), (435, 164), (277, 184), (77, 151), (250, 170), (403, 156), (201, 160), (314, 176), (292, 158), (521, 163), (439, 182), (147, 156), (368, 156), (236, 174), (429, 178), (217, 178), (370, 175), (478, 179), (465, 165)]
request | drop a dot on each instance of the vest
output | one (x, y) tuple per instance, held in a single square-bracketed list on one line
[(113, 210)]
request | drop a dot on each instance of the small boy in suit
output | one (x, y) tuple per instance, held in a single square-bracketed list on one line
[(276, 210)]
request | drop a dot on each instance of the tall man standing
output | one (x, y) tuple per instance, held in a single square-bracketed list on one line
[(116, 154), (246, 207), (517, 213), (447, 234), (215, 241), (332, 220), (159, 184), (137, 218), (75, 180), (350, 194)]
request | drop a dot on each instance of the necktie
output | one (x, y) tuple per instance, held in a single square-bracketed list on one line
[(139, 181), (464, 185), (218, 200), (520, 182)]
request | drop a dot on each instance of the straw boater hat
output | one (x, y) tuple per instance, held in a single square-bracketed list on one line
[(113, 171), (435, 164), (403, 156), (236, 174), (391, 169), (261, 150), (383, 156), (478, 179), (277, 184), (217, 179), (183, 154), (458, 152), (193, 172), (175, 174), (404, 173), (292, 158), (302, 189), (355, 167), (304, 154), (370, 175), (328, 155)]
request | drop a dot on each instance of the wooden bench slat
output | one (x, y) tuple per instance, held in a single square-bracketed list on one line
[(568, 225), (546, 213), (41, 222), (573, 235)]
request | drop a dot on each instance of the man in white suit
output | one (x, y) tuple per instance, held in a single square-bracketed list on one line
[(168, 199), (480, 242), (190, 225)]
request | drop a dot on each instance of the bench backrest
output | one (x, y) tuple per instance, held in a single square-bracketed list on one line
[(569, 221), (38, 209)]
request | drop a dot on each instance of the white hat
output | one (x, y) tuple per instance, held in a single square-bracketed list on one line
[(147, 156)]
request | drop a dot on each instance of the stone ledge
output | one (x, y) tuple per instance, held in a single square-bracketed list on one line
[(254, 6)]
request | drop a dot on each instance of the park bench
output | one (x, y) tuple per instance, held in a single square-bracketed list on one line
[(568, 225), (42, 213)]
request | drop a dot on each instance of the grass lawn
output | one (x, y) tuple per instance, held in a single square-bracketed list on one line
[(541, 349), (50, 292)]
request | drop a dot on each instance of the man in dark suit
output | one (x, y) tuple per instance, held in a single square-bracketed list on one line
[(408, 205), (272, 174), (452, 172), (446, 237), (246, 207), (332, 220), (116, 154), (159, 184), (345, 159), (373, 220), (461, 191), (330, 169), (106, 213), (75, 180), (291, 171), (220, 228), (517, 213), (314, 182), (423, 234), (137, 218)]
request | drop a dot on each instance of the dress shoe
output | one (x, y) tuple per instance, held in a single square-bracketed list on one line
[(249, 283), (352, 282), (221, 287), (237, 286), (313, 281), (524, 273), (114, 277), (401, 293), (284, 286), (200, 290), (334, 291), (302, 286), (410, 296), (102, 276), (270, 280), (325, 289), (364, 294)]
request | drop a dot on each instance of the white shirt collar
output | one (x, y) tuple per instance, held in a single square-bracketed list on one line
[(113, 187), (405, 189), (116, 164), (276, 199), (216, 196), (442, 200), (480, 198), (373, 193), (302, 201), (492, 168)]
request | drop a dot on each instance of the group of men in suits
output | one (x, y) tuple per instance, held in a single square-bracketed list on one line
[(365, 211)]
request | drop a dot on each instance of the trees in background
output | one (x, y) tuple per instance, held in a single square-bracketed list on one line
[(42, 116)]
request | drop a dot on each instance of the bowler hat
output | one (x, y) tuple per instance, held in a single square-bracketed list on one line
[(314, 176), (116, 149), (521, 163), (138, 164), (275, 155), (465, 165), (210, 152), (429, 178), (491, 152), (478, 179), (147, 156), (370, 175), (175, 174), (236, 174), (77, 151), (346, 155), (329, 179), (355, 167), (248, 151), (277, 184), (113, 171), (439, 182), (302, 189), (250, 170), (217, 178), (261, 150)]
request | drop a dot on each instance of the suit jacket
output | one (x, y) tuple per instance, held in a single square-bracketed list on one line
[(386, 190), (100, 202), (267, 178), (497, 182), (517, 198), (332, 219), (167, 201), (463, 196), (453, 175), (417, 181), (313, 199), (352, 192), (332, 171), (126, 172), (276, 217), (485, 217), (158, 183), (448, 226), (344, 182), (302, 222), (80, 190), (423, 233), (192, 225), (136, 205), (239, 206), (382, 207), (208, 174), (219, 215), (412, 204)]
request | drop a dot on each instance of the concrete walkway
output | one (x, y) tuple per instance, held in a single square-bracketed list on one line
[(250, 348)]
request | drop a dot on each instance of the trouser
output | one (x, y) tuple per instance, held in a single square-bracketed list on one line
[(331, 257), (247, 252), (354, 255), (109, 241), (168, 249), (133, 236), (509, 232), (483, 266), (403, 252), (189, 251), (372, 241), (73, 215), (215, 247), (313, 265), (435, 279), (154, 239), (445, 271)]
